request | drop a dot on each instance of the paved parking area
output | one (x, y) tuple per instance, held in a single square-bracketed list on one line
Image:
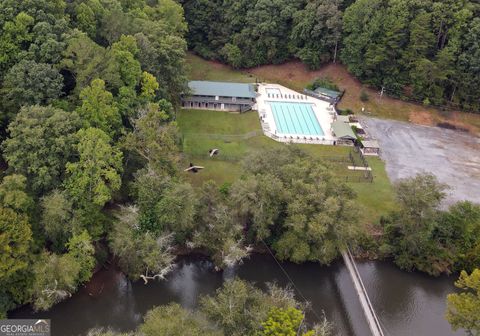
[(452, 156)]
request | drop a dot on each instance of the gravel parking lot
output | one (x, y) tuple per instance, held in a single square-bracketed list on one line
[(452, 156)]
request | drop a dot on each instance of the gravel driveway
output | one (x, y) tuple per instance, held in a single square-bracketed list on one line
[(452, 156)]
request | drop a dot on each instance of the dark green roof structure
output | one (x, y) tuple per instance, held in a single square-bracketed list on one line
[(327, 92), (222, 89), (343, 130)]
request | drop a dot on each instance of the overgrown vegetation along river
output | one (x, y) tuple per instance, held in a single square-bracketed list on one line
[(407, 303)]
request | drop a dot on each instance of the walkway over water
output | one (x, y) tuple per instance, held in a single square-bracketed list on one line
[(367, 307)]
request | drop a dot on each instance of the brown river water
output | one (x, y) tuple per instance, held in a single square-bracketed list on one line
[(408, 304)]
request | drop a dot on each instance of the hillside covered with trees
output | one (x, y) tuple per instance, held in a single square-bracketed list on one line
[(427, 51), (77, 80)]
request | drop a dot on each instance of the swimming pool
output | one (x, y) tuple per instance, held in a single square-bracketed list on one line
[(295, 118)]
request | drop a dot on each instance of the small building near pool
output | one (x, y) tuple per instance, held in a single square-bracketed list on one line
[(223, 96), (343, 132), (325, 94), (370, 147)]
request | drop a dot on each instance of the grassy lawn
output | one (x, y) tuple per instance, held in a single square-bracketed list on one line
[(235, 135), (377, 198), (200, 69)]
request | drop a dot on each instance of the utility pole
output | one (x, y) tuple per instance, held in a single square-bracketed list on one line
[(335, 52)]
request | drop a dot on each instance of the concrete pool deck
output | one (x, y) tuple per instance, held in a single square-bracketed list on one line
[(324, 114), (452, 156)]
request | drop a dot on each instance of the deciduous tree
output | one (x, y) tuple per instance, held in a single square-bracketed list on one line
[(141, 254), (287, 322), (57, 277), (173, 320), (30, 83), (96, 174), (463, 309), (58, 218), (98, 109), (13, 193), (409, 230), (154, 138), (216, 229), (41, 142), (239, 308), (15, 240)]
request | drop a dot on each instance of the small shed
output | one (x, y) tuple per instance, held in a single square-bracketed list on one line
[(370, 147), (327, 93), (343, 132)]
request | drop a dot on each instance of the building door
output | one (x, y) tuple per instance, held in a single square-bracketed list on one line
[(222, 106)]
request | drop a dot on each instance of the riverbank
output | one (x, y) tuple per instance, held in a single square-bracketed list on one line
[(407, 303)]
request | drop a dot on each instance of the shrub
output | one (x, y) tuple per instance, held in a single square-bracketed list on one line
[(364, 96), (323, 82)]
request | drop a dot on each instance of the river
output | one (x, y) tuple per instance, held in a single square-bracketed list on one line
[(406, 303)]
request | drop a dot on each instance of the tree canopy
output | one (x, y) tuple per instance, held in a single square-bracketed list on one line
[(42, 140), (58, 276), (421, 236), (463, 309), (425, 51), (310, 211), (95, 176)]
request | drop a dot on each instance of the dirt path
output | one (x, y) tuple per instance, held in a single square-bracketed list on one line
[(452, 156)]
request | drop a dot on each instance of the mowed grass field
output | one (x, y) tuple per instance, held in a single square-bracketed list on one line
[(236, 135), (296, 76)]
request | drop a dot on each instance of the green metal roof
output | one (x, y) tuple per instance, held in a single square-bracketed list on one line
[(343, 118), (343, 130), (224, 89), (327, 92)]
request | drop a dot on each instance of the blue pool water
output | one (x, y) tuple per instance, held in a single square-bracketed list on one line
[(295, 118)]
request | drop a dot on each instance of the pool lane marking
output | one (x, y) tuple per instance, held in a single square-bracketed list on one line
[(276, 117), (314, 121), (314, 116), (284, 121), (304, 112), (292, 116)]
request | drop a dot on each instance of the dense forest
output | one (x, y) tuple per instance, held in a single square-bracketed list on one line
[(79, 81), (91, 152), (422, 50)]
